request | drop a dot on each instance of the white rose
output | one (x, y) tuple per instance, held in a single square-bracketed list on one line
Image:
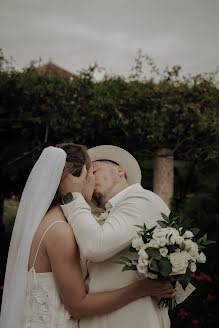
[(188, 234), (188, 243), (141, 268), (191, 247), (172, 231), (137, 243), (160, 232), (153, 243), (172, 239), (201, 258), (179, 240), (179, 262), (157, 232), (186, 255), (193, 258), (142, 261), (142, 253), (152, 275), (172, 236), (168, 230), (163, 251), (192, 266), (162, 241)]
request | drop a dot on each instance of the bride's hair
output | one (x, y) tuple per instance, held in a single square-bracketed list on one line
[(76, 157)]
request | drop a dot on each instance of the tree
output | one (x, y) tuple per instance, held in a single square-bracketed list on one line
[(172, 117), (38, 110)]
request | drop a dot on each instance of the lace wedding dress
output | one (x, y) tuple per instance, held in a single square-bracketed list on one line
[(43, 306)]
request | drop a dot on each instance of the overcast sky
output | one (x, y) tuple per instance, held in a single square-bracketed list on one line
[(76, 33)]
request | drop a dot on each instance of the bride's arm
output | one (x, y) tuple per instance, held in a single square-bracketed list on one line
[(64, 258)]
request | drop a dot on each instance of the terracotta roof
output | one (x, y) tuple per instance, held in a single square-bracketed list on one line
[(50, 67)]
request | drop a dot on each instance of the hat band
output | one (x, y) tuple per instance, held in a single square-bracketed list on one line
[(105, 160)]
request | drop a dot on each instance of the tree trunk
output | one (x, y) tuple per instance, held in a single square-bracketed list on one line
[(164, 174)]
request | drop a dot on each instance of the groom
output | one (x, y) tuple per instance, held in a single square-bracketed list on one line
[(118, 191)]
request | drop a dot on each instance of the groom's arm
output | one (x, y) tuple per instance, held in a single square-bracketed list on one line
[(98, 243)]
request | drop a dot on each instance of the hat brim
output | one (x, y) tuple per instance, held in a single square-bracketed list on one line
[(121, 157)]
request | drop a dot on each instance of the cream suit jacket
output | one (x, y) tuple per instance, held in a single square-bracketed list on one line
[(103, 244)]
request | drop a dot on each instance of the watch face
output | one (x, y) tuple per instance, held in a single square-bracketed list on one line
[(68, 198)]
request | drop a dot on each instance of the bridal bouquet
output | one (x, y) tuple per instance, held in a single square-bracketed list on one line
[(167, 251)]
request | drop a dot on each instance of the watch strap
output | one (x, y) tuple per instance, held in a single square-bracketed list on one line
[(69, 197)]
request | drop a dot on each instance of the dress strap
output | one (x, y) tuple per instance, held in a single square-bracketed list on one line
[(42, 239)]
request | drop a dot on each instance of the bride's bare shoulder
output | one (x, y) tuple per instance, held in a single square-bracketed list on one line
[(55, 213), (57, 231)]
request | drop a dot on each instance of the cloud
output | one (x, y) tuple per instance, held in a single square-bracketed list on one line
[(77, 33)]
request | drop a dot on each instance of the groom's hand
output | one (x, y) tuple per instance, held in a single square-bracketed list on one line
[(70, 183)]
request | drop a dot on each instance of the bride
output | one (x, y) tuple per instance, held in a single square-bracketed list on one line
[(44, 281)]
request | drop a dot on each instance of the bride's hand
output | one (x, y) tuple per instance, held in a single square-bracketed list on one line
[(156, 287), (70, 183)]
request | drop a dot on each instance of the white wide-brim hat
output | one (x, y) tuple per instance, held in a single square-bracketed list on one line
[(121, 157)]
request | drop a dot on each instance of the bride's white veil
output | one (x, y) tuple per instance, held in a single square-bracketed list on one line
[(36, 198)]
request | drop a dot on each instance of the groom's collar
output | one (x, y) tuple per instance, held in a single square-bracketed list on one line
[(114, 200)]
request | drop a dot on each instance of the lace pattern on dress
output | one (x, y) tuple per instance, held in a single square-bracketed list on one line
[(44, 308)]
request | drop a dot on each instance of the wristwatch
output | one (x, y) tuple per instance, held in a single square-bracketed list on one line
[(69, 197)]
